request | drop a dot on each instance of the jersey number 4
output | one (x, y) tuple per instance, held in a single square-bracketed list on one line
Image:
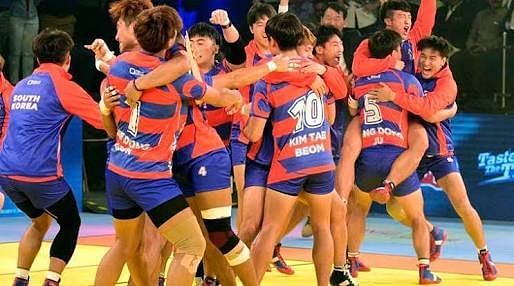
[(372, 114), (308, 111)]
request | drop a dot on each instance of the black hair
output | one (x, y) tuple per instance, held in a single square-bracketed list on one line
[(52, 46), (286, 29), (259, 11), (383, 43), (203, 29), (435, 43), (325, 33), (336, 7), (394, 5)]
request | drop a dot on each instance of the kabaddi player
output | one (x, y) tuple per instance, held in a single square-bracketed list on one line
[(301, 158), (440, 89), (31, 173), (5, 92), (380, 149)]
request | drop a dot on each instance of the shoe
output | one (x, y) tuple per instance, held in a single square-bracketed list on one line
[(383, 193), (161, 281), (209, 281), (438, 237), (356, 265), (427, 277), (489, 270), (20, 282), (49, 282), (307, 229), (342, 278), (279, 262)]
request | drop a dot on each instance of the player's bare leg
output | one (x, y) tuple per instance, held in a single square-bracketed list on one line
[(359, 204), (215, 208), (239, 180), (214, 263), (31, 241), (252, 214)]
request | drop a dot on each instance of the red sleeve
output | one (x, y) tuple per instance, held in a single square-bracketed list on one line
[(444, 94), (78, 102), (425, 20), (336, 83), (364, 65)]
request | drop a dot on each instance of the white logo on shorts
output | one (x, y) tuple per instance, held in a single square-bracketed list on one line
[(202, 171), (449, 159)]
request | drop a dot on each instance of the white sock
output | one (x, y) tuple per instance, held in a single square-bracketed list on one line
[(54, 276), (353, 254), (423, 261), (22, 273), (482, 249)]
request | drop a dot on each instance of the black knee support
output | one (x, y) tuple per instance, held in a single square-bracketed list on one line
[(163, 212), (29, 209), (66, 214), (221, 234)]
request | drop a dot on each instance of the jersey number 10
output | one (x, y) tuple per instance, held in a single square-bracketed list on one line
[(308, 111)]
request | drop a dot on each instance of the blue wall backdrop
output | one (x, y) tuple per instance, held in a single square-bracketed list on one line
[(485, 151), (72, 164)]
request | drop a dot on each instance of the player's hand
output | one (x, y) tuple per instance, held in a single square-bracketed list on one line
[(111, 97), (319, 87), (132, 94), (381, 94), (313, 67), (99, 47), (236, 101), (284, 64), (219, 17), (400, 65), (2, 63)]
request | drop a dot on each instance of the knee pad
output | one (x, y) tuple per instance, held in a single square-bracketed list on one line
[(217, 222), (188, 240)]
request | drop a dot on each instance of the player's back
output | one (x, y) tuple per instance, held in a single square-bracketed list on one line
[(301, 131), (384, 124), (37, 123), (146, 133)]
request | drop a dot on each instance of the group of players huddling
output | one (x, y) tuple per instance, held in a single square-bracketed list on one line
[(270, 114)]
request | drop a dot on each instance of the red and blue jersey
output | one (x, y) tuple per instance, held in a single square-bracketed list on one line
[(40, 107), (440, 92), (5, 92), (217, 117), (147, 134), (300, 130), (385, 123), (364, 65)]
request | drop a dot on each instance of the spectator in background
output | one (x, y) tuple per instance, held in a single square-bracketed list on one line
[(456, 17), (310, 12), (23, 23), (4, 31), (362, 15), (335, 15), (57, 14), (486, 32)]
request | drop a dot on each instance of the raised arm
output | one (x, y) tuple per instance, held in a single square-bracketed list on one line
[(234, 47), (425, 20), (364, 65)]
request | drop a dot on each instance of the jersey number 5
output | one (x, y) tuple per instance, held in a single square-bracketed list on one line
[(308, 111), (372, 114)]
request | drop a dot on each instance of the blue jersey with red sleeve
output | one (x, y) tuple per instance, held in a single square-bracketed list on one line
[(41, 105), (217, 117), (147, 134), (385, 123), (300, 130), (444, 90)]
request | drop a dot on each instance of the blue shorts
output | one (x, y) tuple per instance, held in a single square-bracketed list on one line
[(373, 166), (237, 152), (317, 184), (41, 195), (440, 166), (209, 172), (256, 175), (126, 193)]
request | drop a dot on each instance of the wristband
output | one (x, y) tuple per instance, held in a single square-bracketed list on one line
[(352, 102), (226, 26), (103, 109), (135, 86), (272, 66)]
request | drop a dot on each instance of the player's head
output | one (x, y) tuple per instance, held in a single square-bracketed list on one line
[(285, 32), (53, 46), (205, 41), (329, 47), (156, 28), (384, 43), (396, 15), (434, 53), (334, 15), (257, 17), (124, 13), (307, 44)]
